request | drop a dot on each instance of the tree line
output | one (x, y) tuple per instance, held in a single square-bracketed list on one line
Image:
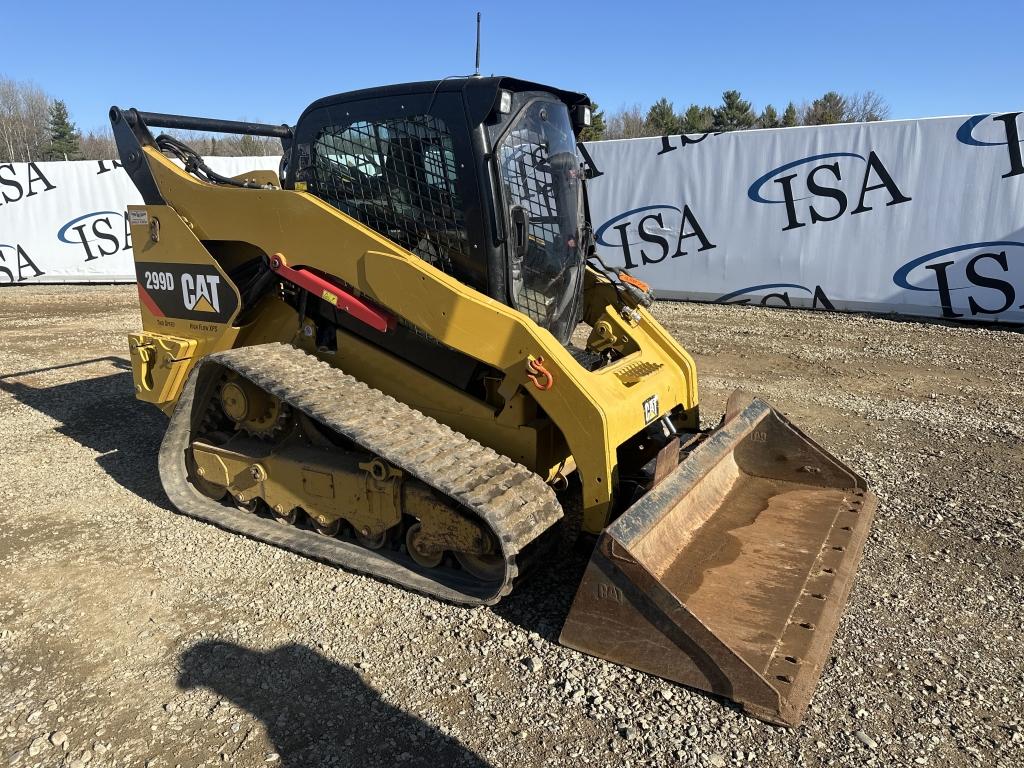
[(734, 114), (35, 126)]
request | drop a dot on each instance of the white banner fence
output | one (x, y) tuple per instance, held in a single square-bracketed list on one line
[(920, 217), (67, 222)]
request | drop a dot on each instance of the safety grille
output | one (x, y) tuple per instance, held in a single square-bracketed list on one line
[(397, 177), (527, 179), (632, 374)]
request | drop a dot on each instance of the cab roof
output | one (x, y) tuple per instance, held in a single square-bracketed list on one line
[(478, 92)]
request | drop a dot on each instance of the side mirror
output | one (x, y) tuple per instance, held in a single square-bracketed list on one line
[(520, 231)]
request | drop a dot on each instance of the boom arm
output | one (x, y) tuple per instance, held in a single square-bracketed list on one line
[(596, 411)]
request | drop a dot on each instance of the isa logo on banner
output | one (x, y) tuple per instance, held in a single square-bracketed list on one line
[(995, 131), (824, 185), (779, 295), (978, 280), (100, 233), (652, 233)]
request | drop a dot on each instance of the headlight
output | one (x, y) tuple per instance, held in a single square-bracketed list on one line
[(581, 116), (505, 102)]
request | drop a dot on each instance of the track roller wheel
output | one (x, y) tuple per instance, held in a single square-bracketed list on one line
[(487, 568), (291, 517), (208, 489), (330, 529), (205, 487), (254, 504), (426, 559), (370, 541)]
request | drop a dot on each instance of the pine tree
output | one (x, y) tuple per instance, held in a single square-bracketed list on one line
[(249, 146), (789, 116), (594, 131), (64, 136), (662, 120), (735, 114), (828, 110), (769, 118), (697, 119)]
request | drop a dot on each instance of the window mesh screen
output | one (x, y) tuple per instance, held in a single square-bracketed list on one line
[(397, 177), (527, 177)]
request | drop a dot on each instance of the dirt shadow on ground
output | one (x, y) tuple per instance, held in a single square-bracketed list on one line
[(102, 414), (540, 603), (318, 712)]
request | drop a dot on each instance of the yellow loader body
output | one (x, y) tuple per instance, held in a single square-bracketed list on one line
[(723, 559)]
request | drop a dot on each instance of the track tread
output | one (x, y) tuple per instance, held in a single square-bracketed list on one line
[(515, 502)]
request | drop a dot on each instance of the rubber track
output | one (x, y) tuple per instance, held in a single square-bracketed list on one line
[(515, 503)]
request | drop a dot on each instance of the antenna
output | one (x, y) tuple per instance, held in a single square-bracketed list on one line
[(476, 72)]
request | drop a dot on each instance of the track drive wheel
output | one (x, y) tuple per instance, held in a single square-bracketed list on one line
[(253, 410)]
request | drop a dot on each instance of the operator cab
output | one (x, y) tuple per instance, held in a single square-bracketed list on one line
[(478, 176)]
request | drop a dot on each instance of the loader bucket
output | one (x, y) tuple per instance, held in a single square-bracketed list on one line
[(731, 574)]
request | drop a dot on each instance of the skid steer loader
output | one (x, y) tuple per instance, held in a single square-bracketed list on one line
[(403, 355)]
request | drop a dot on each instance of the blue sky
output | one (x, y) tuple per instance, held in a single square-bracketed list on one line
[(263, 60)]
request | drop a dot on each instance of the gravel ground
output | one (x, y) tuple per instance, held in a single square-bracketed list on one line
[(131, 636)]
